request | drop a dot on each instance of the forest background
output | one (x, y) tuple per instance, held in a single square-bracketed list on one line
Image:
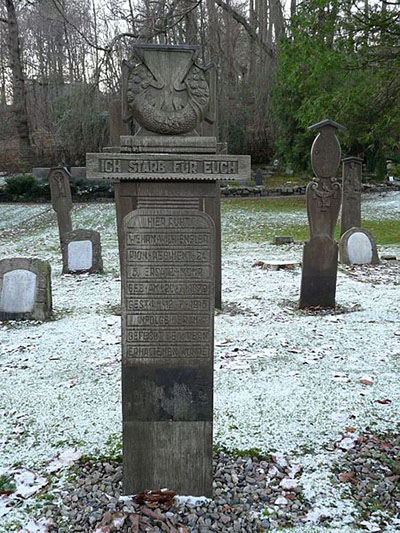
[(280, 67)]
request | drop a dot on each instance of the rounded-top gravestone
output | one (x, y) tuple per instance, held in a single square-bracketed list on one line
[(357, 247), (25, 289)]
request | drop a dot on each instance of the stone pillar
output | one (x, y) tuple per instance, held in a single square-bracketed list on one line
[(167, 199), (60, 192), (320, 254), (351, 194), (167, 343)]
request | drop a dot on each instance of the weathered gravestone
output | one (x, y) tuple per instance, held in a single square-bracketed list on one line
[(116, 124), (25, 289), (351, 194), (357, 247), (61, 200), (165, 178), (81, 252), (320, 254)]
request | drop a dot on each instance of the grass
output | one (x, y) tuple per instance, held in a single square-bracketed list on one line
[(266, 218)]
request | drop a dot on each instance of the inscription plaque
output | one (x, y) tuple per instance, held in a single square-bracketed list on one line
[(357, 247), (80, 255), (18, 291), (201, 167), (167, 347), (25, 289)]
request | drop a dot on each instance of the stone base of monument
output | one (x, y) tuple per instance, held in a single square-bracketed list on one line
[(81, 252), (25, 289), (318, 280), (357, 247)]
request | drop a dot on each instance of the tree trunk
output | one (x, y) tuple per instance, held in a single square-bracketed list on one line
[(18, 82)]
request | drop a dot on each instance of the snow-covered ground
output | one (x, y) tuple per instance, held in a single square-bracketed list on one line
[(285, 380)]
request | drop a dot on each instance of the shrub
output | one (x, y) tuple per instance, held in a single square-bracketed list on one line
[(25, 187)]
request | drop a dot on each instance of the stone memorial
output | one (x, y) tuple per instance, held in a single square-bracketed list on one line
[(357, 247), (191, 112), (167, 200), (25, 289), (61, 200), (351, 194), (81, 251), (116, 124), (320, 254)]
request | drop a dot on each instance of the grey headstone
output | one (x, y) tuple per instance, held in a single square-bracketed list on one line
[(357, 247), (81, 250), (25, 289), (61, 200), (351, 194), (319, 272), (78, 173)]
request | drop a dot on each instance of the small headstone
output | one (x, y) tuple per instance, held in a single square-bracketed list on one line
[(81, 250), (357, 247), (284, 239), (61, 200), (25, 289)]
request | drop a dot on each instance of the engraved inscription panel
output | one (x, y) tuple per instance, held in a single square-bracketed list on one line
[(80, 255), (18, 291), (168, 287)]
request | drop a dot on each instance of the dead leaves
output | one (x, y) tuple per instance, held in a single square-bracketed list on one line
[(347, 477), (156, 499)]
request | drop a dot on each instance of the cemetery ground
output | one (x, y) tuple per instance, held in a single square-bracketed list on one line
[(306, 408)]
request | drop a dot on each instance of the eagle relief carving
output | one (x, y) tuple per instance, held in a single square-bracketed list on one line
[(166, 91)]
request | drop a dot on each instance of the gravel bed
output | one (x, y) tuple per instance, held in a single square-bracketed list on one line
[(372, 471), (251, 494)]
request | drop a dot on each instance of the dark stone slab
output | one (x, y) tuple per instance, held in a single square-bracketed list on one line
[(351, 194), (167, 344), (319, 272), (25, 289), (81, 252), (358, 247), (61, 200)]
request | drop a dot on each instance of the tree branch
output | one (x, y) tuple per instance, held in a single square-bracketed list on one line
[(243, 22)]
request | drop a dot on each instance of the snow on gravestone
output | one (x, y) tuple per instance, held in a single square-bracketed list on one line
[(25, 289), (357, 247), (80, 255), (18, 291)]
